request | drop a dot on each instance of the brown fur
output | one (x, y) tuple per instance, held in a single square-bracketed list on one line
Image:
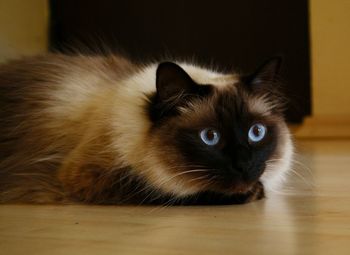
[(35, 147), (73, 131)]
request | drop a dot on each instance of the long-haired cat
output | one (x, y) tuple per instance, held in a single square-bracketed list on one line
[(104, 130)]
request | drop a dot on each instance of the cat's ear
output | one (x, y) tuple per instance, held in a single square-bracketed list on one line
[(265, 75), (172, 81), (175, 88)]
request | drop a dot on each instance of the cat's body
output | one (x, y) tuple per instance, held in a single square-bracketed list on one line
[(103, 130)]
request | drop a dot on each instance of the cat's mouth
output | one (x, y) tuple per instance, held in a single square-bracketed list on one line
[(235, 184)]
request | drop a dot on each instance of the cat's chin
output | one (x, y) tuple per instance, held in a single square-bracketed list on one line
[(214, 198), (233, 187), (244, 195)]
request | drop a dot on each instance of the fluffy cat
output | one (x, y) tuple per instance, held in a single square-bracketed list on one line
[(89, 129)]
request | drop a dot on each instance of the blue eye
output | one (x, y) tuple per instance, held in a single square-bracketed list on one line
[(256, 133), (210, 136)]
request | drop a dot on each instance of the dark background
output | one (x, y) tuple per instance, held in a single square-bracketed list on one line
[(238, 34)]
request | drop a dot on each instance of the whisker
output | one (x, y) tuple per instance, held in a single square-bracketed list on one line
[(303, 167), (167, 180), (301, 177), (199, 178)]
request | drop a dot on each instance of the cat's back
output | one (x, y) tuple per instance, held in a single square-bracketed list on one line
[(52, 95), (40, 82), (54, 71), (47, 104)]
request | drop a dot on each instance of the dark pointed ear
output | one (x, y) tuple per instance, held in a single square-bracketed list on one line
[(175, 88), (172, 81), (265, 75)]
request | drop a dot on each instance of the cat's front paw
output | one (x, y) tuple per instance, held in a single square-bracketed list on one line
[(256, 193)]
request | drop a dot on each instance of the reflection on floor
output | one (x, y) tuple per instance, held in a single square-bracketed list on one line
[(311, 215)]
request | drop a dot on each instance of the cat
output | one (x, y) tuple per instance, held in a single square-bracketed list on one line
[(104, 130)]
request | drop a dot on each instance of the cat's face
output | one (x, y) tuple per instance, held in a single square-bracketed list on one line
[(218, 138)]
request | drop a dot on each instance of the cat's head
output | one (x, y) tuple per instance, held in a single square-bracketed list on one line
[(218, 132)]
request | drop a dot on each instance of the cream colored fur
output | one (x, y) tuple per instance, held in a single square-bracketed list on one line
[(125, 100)]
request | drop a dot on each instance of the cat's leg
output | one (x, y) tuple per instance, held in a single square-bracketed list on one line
[(213, 198), (256, 193), (89, 173)]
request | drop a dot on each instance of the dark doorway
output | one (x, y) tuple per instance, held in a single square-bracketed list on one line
[(239, 34)]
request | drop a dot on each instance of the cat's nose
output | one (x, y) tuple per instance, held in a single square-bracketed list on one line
[(250, 173), (241, 159), (239, 166), (236, 172), (245, 170), (236, 168)]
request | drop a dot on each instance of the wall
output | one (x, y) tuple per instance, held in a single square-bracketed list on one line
[(330, 45), (23, 26), (330, 54)]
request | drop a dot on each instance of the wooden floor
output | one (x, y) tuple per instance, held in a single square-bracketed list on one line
[(311, 216)]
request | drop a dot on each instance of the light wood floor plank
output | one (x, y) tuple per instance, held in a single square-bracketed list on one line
[(310, 216)]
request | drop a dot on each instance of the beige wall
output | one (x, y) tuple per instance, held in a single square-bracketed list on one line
[(23, 28), (330, 53), (330, 47)]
